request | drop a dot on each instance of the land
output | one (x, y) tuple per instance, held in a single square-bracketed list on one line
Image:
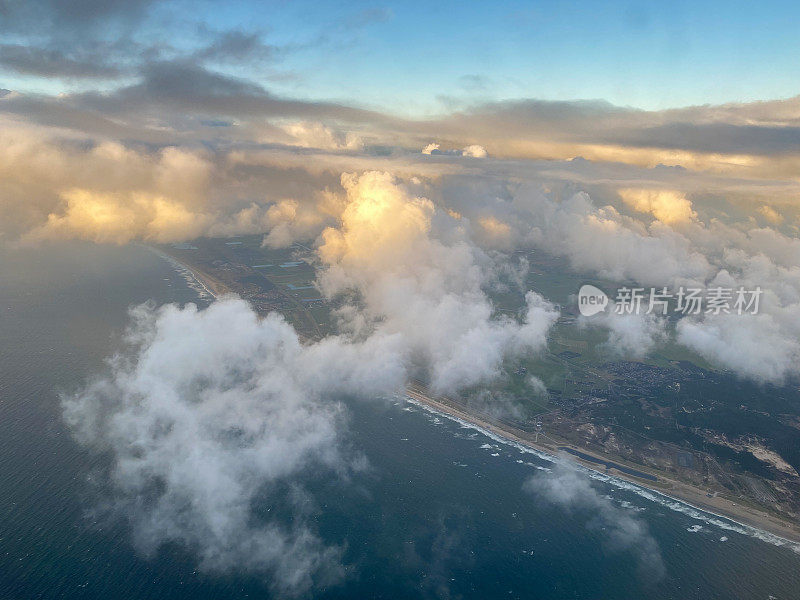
[(670, 423)]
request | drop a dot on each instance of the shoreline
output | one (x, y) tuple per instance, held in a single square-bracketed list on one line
[(760, 523), (214, 288)]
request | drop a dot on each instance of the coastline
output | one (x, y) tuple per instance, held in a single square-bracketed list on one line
[(760, 524), (744, 517), (212, 286)]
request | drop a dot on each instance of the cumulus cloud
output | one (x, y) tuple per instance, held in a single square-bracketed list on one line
[(770, 214), (318, 135), (597, 238), (755, 346), (495, 232), (621, 529), (211, 413), (601, 240), (56, 187), (412, 283), (475, 151), (119, 218), (289, 220), (667, 206), (210, 152)]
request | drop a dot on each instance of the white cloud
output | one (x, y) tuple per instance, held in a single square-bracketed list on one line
[(668, 206), (318, 135), (212, 409), (770, 214), (414, 285), (754, 346), (475, 151)]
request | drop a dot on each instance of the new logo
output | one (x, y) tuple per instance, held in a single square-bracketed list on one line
[(591, 300)]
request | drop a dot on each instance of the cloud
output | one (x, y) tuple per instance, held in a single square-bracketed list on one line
[(770, 214), (236, 46), (475, 151), (290, 220), (55, 63), (59, 184), (63, 188), (70, 17), (621, 529), (601, 240), (182, 86), (106, 193), (754, 346), (317, 135), (667, 206), (210, 413), (412, 284), (109, 218), (598, 239), (496, 232), (727, 138)]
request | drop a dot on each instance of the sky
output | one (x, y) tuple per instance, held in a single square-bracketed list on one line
[(422, 58)]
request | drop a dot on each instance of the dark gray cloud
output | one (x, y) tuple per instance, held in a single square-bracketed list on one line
[(60, 114), (102, 40), (85, 39), (715, 137), (730, 129), (92, 39), (188, 88), (236, 46), (70, 19), (44, 62)]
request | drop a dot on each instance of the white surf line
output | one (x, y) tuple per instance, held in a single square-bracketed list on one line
[(665, 500), (182, 269)]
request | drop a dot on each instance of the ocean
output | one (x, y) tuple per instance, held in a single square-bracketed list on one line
[(442, 511)]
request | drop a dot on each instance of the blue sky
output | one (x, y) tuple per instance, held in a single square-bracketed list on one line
[(421, 58), (650, 56)]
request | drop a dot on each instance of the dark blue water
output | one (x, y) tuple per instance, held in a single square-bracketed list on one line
[(441, 512)]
